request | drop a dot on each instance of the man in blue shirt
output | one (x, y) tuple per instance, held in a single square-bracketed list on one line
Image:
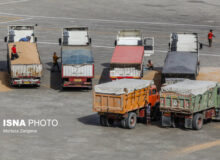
[(25, 39)]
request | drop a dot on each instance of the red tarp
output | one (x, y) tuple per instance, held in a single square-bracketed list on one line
[(128, 54)]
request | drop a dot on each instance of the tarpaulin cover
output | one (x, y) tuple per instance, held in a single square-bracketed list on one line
[(128, 54), (77, 56), (180, 62), (189, 87), (122, 86)]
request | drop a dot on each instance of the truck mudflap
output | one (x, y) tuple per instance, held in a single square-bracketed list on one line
[(30, 81), (166, 120), (188, 122)]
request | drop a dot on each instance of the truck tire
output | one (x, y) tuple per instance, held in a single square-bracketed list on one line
[(123, 123), (105, 121), (102, 120), (197, 121), (131, 120)]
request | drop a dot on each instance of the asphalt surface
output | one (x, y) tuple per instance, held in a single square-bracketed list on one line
[(79, 135)]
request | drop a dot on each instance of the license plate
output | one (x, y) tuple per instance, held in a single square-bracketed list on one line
[(77, 80), (26, 82)]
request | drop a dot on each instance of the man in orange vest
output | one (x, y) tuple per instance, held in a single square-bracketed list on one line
[(210, 36)]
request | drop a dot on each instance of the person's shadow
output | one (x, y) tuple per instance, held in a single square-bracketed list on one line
[(55, 77)]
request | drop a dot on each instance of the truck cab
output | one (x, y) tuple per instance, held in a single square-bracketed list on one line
[(154, 97), (148, 43), (15, 33), (76, 58)]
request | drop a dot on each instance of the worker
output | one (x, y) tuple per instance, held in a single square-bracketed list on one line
[(210, 36), (150, 65), (25, 39), (14, 54), (55, 63)]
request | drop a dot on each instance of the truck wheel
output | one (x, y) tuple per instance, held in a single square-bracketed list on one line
[(131, 120), (198, 121), (102, 120), (123, 123), (105, 121)]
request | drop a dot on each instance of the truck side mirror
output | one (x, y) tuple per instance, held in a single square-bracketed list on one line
[(36, 24), (90, 40), (6, 39), (115, 43), (35, 39), (60, 41)]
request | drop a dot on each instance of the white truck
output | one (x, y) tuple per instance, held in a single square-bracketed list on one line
[(27, 68), (182, 61), (76, 58), (135, 38)]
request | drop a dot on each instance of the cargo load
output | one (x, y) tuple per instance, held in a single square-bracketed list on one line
[(27, 68), (124, 100), (182, 60), (190, 102)]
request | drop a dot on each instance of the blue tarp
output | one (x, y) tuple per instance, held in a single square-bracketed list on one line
[(78, 56)]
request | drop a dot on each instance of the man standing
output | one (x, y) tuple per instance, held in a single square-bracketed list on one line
[(55, 63), (210, 36), (150, 65), (14, 54)]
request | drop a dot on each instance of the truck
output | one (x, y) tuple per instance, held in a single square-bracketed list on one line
[(125, 100), (189, 103), (27, 69), (76, 58), (182, 60), (127, 62)]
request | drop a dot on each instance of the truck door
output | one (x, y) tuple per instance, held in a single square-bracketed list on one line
[(148, 46), (153, 96)]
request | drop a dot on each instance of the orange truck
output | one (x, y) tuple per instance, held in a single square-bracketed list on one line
[(126, 100)]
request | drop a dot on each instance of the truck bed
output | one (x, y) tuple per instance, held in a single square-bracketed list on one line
[(28, 53), (180, 65), (121, 96)]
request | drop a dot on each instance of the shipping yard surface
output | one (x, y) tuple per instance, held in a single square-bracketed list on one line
[(78, 135)]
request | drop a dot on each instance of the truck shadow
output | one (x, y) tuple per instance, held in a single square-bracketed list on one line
[(105, 76), (3, 66), (90, 120)]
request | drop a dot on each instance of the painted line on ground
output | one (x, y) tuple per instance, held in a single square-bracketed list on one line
[(26, 19), (11, 2), (116, 21), (198, 147)]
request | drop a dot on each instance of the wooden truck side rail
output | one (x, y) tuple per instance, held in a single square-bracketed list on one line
[(120, 104)]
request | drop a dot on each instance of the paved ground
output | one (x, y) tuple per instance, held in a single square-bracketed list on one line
[(78, 135)]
